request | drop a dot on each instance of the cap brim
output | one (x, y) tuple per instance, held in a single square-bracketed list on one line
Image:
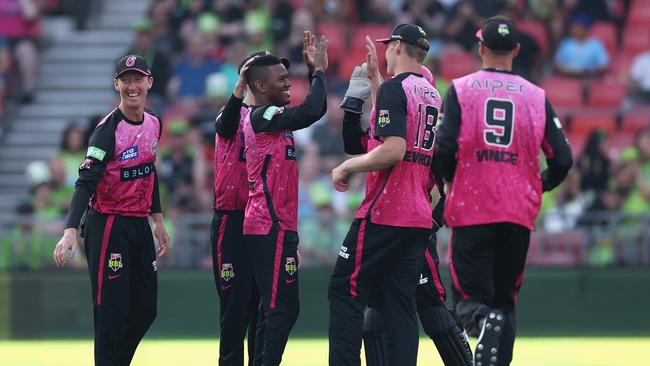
[(383, 40), (133, 69)]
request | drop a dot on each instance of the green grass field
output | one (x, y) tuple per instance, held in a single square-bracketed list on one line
[(528, 352)]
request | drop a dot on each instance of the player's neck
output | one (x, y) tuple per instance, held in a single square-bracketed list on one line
[(408, 66), (132, 114), (497, 63)]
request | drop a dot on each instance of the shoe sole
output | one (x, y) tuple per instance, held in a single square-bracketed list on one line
[(487, 347)]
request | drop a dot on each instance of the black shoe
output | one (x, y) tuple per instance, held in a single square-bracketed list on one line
[(487, 347)]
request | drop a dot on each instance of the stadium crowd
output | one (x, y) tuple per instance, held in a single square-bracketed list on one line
[(591, 56)]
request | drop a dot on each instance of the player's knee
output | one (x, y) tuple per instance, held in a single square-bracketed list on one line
[(436, 320), (373, 322)]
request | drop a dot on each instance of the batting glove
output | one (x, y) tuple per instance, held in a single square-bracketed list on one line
[(358, 90)]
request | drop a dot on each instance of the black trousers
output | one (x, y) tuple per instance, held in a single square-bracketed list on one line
[(239, 297), (487, 268), (275, 267), (378, 266), (430, 292), (122, 264)]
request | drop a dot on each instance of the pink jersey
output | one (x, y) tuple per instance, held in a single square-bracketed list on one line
[(127, 184), (497, 176), (406, 106), (273, 180), (230, 177)]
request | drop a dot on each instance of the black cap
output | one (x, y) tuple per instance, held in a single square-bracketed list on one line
[(408, 33), (132, 63), (499, 34), (264, 58)]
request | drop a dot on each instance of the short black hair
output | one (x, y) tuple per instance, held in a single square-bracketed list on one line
[(259, 69)]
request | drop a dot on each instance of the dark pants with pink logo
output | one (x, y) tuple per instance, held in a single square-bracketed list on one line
[(122, 263), (487, 269), (275, 266), (379, 267), (238, 294)]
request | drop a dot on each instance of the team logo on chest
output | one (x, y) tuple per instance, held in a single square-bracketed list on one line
[(115, 261), (384, 118), (291, 267), (227, 271)]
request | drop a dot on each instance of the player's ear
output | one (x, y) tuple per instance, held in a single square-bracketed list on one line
[(481, 49), (149, 82), (116, 86), (515, 52), (260, 87)]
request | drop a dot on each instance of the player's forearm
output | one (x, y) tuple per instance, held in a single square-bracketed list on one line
[(157, 218), (383, 157), (78, 206), (353, 134), (228, 120)]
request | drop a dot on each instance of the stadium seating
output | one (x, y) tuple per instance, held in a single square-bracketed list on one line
[(358, 34), (619, 67), (636, 39), (606, 93), (336, 37), (457, 64), (299, 90), (635, 122), (606, 33), (584, 122), (577, 143), (537, 31), (639, 14), (563, 92)]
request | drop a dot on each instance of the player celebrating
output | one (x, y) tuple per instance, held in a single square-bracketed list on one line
[(272, 208), (232, 268), (488, 146), (119, 180), (437, 320), (380, 260)]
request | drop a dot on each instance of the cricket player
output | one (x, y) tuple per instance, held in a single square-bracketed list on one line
[(381, 257), (488, 145), (117, 189), (270, 219), (232, 267), (436, 319)]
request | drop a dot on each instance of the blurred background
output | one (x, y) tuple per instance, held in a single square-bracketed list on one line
[(589, 254)]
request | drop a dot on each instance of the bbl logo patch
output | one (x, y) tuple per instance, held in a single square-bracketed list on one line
[(291, 267), (384, 118), (115, 262), (130, 61), (503, 30), (227, 272)]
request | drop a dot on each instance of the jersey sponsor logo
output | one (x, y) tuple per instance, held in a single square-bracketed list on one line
[(115, 261), (271, 112), (154, 146), (497, 156), (136, 172), (291, 266), (227, 271), (417, 157), (343, 253), (95, 152), (130, 153), (290, 152), (87, 164), (383, 118)]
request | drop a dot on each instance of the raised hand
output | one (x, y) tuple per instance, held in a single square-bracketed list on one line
[(309, 49), (358, 90), (320, 57), (240, 87)]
